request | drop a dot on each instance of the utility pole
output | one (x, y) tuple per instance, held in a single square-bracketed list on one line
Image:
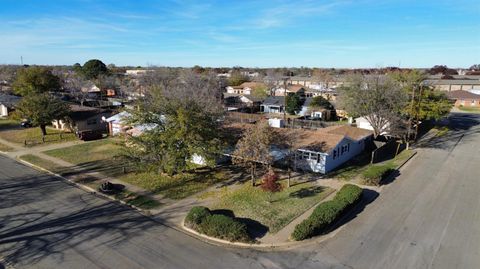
[(21, 60), (284, 100), (410, 117)]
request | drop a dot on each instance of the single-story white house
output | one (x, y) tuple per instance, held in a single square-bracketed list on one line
[(7, 104), (117, 124), (323, 150)]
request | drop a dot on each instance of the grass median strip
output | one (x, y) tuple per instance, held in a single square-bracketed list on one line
[(46, 164)]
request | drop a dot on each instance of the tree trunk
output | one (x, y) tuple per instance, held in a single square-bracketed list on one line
[(289, 176), (252, 174), (43, 127), (398, 147)]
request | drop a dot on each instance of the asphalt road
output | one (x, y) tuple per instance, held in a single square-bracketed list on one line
[(428, 217)]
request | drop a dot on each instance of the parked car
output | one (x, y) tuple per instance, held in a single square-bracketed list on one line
[(88, 135), (26, 124)]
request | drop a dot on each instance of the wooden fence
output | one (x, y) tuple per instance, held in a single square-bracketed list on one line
[(239, 117)]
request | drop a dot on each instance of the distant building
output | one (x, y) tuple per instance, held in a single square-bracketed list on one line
[(464, 98), (245, 88)]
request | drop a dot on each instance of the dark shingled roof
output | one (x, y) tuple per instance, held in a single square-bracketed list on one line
[(461, 94), (9, 100)]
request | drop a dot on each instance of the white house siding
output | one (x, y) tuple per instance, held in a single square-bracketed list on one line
[(3, 111), (271, 108), (351, 148), (310, 161)]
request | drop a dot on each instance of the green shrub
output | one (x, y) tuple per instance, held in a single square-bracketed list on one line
[(375, 173), (224, 227), (327, 212), (203, 221), (196, 216)]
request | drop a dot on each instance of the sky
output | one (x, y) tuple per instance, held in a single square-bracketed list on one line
[(261, 33)]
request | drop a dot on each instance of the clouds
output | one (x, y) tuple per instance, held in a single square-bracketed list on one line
[(255, 33)]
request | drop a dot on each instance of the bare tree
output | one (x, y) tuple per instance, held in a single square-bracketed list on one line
[(254, 148), (78, 86), (273, 80), (377, 98), (323, 77)]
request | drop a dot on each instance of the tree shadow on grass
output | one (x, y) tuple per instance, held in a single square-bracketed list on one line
[(307, 192)]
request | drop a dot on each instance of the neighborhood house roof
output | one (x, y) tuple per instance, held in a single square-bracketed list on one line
[(84, 112), (118, 118), (346, 130), (325, 139), (461, 94), (274, 100), (295, 87), (9, 100)]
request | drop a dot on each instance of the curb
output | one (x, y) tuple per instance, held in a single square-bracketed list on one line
[(261, 246), (84, 187)]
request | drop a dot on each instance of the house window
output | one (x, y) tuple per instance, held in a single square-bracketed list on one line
[(299, 153), (91, 121), (306, 155), (334, 154), (318, 158), (341, 150), (348, 147)]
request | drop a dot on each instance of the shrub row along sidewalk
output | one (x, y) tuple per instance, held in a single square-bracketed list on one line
[(325, 214)]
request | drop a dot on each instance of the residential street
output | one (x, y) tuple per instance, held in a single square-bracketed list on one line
[(428, 217)]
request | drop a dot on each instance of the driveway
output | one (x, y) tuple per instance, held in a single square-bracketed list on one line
[(428, 217)]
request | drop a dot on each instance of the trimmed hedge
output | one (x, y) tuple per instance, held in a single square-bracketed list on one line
[(196, 215), (224, 227), (327, 212)]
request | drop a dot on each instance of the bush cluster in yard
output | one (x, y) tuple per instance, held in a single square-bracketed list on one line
[(220, 226), (375, 173), (327, 212)]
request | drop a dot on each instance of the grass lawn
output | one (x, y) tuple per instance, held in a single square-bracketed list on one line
[(99, 156), (87, 152), (178, 186), (441, 130), (352, 168), (7, 124), (274, 210), (134, 199), (33, 136), (356, 167), (49, 165), (469, 109)]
